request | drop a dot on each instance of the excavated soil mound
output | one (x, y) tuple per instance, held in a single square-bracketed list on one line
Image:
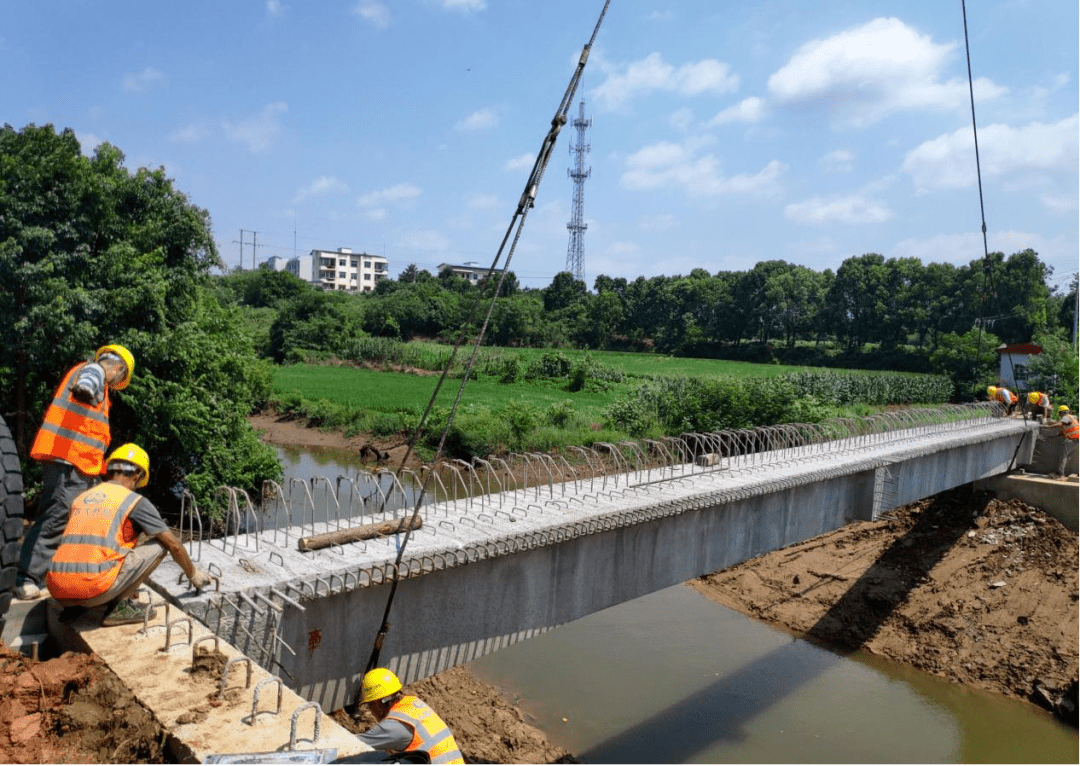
[(71, 709), (487, 728), (978, 590)]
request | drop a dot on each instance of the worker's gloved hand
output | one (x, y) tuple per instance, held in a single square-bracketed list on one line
[(200, 579), (83, 394)]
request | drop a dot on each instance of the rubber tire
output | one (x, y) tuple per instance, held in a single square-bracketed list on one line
[(11, 517)]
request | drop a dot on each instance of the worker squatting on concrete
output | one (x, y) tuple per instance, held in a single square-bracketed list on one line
[(1003, 395), (113, 541), (406, 723), (1070, 430), (1039, 405), (71, 446)]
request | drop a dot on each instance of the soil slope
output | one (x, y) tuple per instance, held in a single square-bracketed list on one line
[(965, 586)]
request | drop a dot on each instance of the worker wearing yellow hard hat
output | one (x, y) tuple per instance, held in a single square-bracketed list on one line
[(99, 560), (1070, 432), (1004, 396), (71, 446), (1039, 405), (405, 723)]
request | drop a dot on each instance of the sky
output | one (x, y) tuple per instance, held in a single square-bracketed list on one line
[(722, 133)]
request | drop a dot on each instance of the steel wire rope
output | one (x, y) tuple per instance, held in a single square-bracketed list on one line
[(525, 203)]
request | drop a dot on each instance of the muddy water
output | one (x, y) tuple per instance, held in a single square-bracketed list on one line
[(675, 678)]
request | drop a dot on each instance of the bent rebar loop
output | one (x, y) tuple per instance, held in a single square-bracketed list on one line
[(395, 488), (508, 473), (585, 452), (541, 460), (489, 473), (193, 516), (310, 501), (376, 482), (434, 474), (617, 456), (471, 473), (232, 510), (567, 469), (271, 488), (249, 513), (328, 494)]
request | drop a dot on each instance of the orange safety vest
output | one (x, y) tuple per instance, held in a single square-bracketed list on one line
[(1005, 396), (73, 431), (430, 733), (1071, 429), (97, 538), (1044, 400)]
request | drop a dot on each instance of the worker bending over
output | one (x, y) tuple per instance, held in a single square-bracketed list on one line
[(113, 541), (1070, 430), (70, 445), (405, 723), (1003, 395), (1039, 405)]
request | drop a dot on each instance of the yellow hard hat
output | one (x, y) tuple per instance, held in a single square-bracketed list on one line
[(378, 684), (123, 353), (991, 390), (1033, 397), (1063, 408), (134, 454)]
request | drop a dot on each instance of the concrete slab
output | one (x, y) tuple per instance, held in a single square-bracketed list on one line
[(187, 705)]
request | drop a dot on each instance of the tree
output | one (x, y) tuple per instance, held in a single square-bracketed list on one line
[(969, 360), (91, 253), (409, 274), (563, 291), (318, 324)]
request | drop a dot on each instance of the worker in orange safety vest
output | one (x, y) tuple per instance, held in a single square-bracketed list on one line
[(1070, 431), (71, 446), (1003, 395), (1039, 405), (405, 723), (113, 541)]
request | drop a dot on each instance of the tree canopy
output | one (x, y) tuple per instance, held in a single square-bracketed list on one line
[(91, 253)]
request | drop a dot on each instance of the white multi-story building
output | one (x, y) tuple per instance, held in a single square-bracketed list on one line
[(274, 263), (470, 270), (341, 269)]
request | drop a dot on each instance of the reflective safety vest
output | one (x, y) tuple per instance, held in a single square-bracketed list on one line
[(1005, 396), (74, 431), (1071, 429), (97, 538), (430, 733)]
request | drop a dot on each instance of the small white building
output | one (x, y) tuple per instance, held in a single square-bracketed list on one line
[(341, 269), (274, 263), (470, 271), (1013, 364)]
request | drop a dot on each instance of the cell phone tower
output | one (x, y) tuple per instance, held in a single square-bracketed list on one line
[(575, 252)]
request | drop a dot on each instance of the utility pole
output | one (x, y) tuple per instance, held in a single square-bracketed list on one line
[(241, 249), (575, 251), (254, 234)]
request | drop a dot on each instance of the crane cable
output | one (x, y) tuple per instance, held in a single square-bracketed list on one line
[(988, 265), (525, 203)]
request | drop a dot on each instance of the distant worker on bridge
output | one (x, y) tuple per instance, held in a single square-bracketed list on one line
[(1004, 396), (70, 445), (1070, 430), (115, 538), (405, 723), (1039, 405)]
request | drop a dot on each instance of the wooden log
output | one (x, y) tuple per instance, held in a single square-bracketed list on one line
[(363, 532)]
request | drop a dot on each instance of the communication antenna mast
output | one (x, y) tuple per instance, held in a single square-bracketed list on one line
[(575, 252)]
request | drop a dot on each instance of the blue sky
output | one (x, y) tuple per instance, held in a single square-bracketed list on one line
[(723, 134)]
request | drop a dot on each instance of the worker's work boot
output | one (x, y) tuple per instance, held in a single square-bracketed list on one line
[(28, 591), (128, 612)]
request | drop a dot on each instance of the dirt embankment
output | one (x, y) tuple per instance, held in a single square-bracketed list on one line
[(71, 709), (974, 589)]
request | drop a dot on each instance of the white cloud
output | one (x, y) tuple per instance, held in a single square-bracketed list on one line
[(463, 6), (638, 78), (748, 110), (673, 165), (321, 186), (521, 162), (88, 142), (961, 249), (837, 161), (864, 73), (852, 208), (274, 7), (374, 13), (661, 16), (191, 133), (427, 240), (1013, 154), (143, 81), (259, 130), (397, 193), (482, 119)]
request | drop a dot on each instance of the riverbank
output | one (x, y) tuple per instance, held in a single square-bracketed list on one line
[(974, 589)]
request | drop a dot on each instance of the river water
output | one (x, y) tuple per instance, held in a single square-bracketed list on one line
[(673, 677)]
